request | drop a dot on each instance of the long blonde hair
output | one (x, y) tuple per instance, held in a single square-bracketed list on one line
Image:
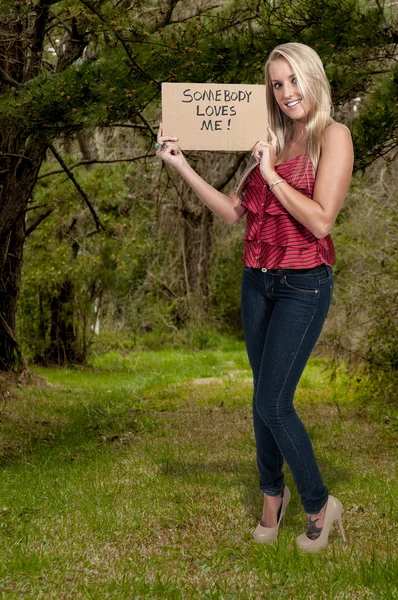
[(314, 86)]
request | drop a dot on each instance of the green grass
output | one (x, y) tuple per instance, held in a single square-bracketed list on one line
[(136, 478)]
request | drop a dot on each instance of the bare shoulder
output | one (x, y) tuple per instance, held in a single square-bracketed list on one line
[(336, 133), (336, 146)]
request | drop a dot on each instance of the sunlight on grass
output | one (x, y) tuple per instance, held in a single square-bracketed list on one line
[(131, 479)]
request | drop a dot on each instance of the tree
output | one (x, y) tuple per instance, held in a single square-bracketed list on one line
[(69, 67)]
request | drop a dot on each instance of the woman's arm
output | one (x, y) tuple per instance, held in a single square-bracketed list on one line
[(228, 208), (333, 177)]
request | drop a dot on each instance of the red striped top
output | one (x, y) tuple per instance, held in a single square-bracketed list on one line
[(273, 237)]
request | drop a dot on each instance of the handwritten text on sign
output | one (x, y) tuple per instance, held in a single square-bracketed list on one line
[(214, 116), (224, 108)]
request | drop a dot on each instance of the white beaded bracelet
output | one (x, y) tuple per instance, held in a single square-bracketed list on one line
[(275, 183)]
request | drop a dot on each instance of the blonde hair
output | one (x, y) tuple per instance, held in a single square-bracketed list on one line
[(314, 86)]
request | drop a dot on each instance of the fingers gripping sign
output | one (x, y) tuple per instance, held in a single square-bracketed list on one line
[(167, 149), (265, 153), (262, 146)]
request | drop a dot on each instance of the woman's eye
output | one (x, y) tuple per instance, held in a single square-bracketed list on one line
[(294, 80), (276, 85)]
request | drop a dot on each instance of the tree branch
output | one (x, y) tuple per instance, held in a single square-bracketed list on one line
[(229, 173), (17, 156), (83, 194), (62, 21), (116, 33), (37, 40), (200, 13), (93, 162), (35, 207), (133, 126), (73, 43), (8, 79), (167, 14), (147, 125), (38, 220)]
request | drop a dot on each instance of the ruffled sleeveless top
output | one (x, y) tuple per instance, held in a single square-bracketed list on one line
[(273, 237)]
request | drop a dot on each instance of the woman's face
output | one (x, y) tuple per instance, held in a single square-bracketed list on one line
[(286, 89)]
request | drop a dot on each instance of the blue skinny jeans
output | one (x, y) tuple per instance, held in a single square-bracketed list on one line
[(283, 312)]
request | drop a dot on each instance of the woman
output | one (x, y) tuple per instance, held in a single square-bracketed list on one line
[(291, 196)]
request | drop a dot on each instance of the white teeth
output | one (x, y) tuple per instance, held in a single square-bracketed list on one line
[(293, 103)]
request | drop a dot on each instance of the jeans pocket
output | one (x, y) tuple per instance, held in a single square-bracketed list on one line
[(308, 284)]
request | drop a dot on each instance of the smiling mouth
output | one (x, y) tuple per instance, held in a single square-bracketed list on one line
[(293, 103)]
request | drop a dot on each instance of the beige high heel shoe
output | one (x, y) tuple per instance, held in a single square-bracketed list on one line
[(332, 513), (268, 534)]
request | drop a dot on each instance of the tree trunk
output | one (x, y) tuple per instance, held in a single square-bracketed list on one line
[(10, 284), (21, 54), (18, 178), (62, 349), (197, 221), (88, 147), (197, 245)]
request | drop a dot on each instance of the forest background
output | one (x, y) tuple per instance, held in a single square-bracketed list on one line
[(103, 247), (127, 454)]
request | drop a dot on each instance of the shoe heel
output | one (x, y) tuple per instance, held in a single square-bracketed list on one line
[(333, 513), (340, 524)]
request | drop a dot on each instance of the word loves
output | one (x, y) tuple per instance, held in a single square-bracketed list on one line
[(224, 109)]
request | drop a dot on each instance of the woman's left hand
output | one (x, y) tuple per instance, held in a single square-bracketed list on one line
[(265, 153)]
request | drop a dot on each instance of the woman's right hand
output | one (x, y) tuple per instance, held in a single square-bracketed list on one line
[(170, 152)]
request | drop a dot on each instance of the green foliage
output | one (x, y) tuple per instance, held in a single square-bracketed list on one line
[(364, 311), (133, 271), (376, 391), (89, 94), (372, 132), (110, 271), (63, 249), (132, 53)]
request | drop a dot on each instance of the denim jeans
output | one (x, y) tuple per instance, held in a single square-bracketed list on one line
[(283, 312)]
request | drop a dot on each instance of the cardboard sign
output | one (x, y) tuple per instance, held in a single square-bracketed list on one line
[(212, 116)]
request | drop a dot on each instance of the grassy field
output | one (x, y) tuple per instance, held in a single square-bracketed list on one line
[(136, 478)]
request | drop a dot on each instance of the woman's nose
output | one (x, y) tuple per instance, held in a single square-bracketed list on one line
[(289, 90)]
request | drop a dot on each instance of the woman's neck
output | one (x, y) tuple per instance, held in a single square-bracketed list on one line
[(299, 133)]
